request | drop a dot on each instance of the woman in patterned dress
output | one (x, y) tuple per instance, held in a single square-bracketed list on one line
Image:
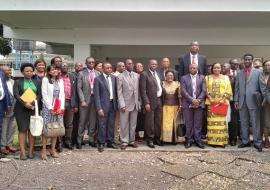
[(218, 91), (52, 87), (171, 105)]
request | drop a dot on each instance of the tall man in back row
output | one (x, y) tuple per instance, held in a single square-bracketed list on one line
[(192, 57)]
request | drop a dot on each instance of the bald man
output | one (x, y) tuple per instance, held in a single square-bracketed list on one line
[(165, 66), (193, 89), (192, 57)]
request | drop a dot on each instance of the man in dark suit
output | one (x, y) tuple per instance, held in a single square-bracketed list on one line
[(192, 57), (71, 103), (4, 101), (193, 103), (78, 68), (105, 97), (165, 66), (151, 92)]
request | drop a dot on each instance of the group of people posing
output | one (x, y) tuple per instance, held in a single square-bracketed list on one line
[(113, 107)]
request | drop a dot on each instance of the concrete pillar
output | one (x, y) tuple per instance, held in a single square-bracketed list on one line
[(81, 52)]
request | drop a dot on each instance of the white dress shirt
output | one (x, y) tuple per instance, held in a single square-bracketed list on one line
[(109, 81), (193, 81), (159, 92), (10, 87), (195, 58), (2, 92)]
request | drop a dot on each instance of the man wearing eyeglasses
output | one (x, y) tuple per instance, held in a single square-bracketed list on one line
[(85, 88)]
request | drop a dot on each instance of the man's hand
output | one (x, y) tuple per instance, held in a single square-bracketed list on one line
[(123, 109), (147, 108), (236, 105), (75, 110), (84, 104), (101, 113), (196, 103)]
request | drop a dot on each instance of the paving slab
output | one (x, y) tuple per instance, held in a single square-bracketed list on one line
[(254, 156), (214, 157), (183, 171)]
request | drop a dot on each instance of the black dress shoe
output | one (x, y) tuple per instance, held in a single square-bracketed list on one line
[(233, 143), (188, 145), (259, 148), (112, 145), (69, 146), (92, 144), (59, 148), (244, 145), (158, 142), (150, 144), (79, 146), (200, 145), (100, 147)]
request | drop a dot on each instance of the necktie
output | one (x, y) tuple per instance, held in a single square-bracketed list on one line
[(193, 59), (91, 76)]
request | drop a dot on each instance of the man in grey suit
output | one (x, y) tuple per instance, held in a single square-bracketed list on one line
[(128, 101), (85, 88), (247, 98), (105, 97), (165, 66), (192, 57), (151, 92)]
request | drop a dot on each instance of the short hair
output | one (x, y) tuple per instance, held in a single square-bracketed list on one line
[(98, 62), (23, 65), (268, 60), (53, 59), (248, 54), (169, 71), (39, 61), (90, 57), (105, 63), (212, 69)]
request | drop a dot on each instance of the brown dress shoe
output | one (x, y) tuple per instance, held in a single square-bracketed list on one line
[(11, 149), (4, 151)]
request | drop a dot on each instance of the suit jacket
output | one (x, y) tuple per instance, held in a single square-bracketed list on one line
[(162, 77), (187, 90), (6, 100), (102, 93), (74, 99), (84, 86), (18, 92), (184, 62), (128, 90), (248, 90), (148, 89)]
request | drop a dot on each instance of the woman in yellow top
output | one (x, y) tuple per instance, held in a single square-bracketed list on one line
[(171, 104), (218, 91)]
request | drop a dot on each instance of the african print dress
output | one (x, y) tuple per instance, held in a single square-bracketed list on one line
[(217, 127)]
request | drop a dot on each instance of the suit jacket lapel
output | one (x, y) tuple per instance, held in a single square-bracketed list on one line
[(152, 77), (105, 82)]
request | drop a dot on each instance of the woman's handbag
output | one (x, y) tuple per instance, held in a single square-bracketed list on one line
[(36, 122), (179, 122), (219, 109), (55, 129)]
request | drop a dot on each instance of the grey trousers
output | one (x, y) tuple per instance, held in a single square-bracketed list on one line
[(87, 121), (8, 130), (247, 117), (128, 122)]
